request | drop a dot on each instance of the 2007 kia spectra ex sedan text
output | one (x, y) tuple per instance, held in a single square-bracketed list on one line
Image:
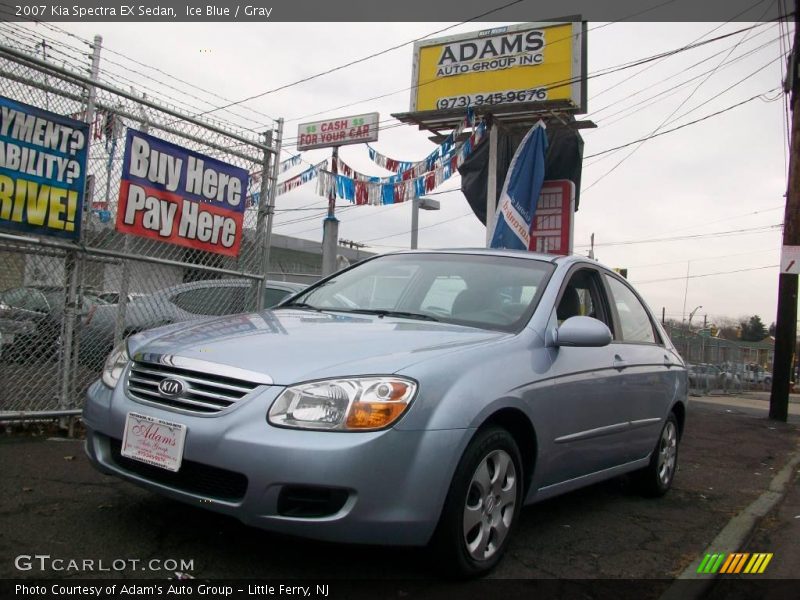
[(416, 398)]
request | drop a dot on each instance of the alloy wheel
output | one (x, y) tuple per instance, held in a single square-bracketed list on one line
[(667, 453), (490, 505)]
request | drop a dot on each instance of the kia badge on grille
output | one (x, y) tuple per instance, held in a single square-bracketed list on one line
[(171, 388)]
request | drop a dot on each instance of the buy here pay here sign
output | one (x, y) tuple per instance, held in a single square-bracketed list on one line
[(175, 195)]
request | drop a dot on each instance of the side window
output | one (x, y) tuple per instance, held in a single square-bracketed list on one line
[(583, 296), (633, 318), (442, 294)]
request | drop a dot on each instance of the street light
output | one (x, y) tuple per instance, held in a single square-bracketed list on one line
[(691, 314), (425, 204)]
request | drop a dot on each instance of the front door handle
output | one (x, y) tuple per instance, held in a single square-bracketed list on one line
[(619, 363)]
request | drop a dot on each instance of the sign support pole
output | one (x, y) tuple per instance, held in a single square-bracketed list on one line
[(491, 182), (330, 226)]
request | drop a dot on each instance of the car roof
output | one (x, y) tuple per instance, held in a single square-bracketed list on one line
[(538, 256)]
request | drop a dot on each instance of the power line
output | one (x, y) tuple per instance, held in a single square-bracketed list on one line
[(664, 94), (675, 129), (664, 122), (733, 232), (407, 231), (360, 60), (729, 88), (730, 218), (696, 259), (170, 75), (556, 84), (595, 95), (685, 277), (665, 132), (385, 208), (110, 76)]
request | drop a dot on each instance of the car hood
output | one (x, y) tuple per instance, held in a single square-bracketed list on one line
[(291, 345)]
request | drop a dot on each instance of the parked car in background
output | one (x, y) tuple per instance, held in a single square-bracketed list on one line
[(113, 297), (10, 329), (708, 376), (756, 374), (711, 377), (38, 313), (425, 412), (183, 302)]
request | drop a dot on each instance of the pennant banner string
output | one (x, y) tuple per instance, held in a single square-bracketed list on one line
[(380, 191), (428, 163), (289, 184)]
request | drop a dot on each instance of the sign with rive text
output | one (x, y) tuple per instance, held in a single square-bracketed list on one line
[(172, 194), (42, 170)]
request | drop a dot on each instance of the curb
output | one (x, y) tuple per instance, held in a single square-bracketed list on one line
[(734, 534)]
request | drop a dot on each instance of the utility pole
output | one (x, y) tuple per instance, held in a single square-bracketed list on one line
[(786, 322)]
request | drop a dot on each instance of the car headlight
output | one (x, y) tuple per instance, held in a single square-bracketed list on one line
[(115, 364), (352, 404)]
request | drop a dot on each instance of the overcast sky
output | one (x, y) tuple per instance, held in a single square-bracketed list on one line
[(725, 174)]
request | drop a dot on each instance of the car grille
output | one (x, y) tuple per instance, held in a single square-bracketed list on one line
[(194, 478), (203, 393)]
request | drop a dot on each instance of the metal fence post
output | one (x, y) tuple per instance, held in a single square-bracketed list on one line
[(125, 276), (73, 268), (266, 205), (264, 209)]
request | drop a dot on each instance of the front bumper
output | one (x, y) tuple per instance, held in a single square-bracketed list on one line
[(395, 481)]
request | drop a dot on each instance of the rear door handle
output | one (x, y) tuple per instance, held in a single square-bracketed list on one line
[(667, 361)]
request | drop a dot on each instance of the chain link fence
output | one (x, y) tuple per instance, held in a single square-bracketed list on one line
[(64, 306), (717, 364)]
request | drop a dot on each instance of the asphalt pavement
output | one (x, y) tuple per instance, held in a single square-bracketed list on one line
[(52, 502)]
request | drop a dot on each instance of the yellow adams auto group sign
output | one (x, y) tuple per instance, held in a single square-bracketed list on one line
[(530, 62)]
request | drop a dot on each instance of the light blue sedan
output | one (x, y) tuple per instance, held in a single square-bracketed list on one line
[(417, 398)]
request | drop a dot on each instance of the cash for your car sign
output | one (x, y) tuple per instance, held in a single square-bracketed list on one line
[(341, 131), (42, 170), (175, 195)]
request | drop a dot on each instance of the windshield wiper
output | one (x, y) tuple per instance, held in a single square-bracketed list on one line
[(300, 305), (392, 313)]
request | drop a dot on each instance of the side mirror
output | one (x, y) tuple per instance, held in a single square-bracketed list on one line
[(585, 332)]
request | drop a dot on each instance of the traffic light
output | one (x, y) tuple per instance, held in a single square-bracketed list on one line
[(623, 272)]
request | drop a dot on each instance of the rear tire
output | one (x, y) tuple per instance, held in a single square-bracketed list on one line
[(656, 478), (482, 506)]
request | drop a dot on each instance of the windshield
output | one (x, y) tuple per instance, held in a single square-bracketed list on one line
[(492, 292)]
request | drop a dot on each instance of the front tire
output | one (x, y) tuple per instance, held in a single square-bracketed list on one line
[(482, 505), (656, 478)]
